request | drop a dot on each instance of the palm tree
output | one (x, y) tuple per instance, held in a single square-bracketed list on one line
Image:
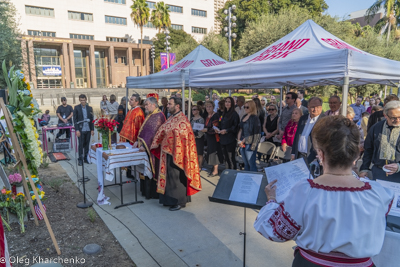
[(140, 16), (392, 14), (160, 16)]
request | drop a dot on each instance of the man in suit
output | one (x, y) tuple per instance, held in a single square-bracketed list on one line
[(300, 95), (302, 144), (83, 122)]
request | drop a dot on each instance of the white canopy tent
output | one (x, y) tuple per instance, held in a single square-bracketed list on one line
[(178, 75), (308, 56)]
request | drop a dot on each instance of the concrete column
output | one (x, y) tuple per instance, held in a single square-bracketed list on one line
[(92, 67), (32, 69), (66, 70), (25, 61), (72, 64), (130, 61), (62, 70), (111, 63)]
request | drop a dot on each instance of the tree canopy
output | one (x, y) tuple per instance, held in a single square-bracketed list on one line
[(9, 38)]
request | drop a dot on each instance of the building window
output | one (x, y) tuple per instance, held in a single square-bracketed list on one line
[(115, 59), (199, 13), (116, 20), (123, 60), (151, 5), (176, 9), (80, 16), (116, 39), (199, 30), (41, 33), (81, 36), (116, 1), (39, 11), (177, 27), (149, 25)]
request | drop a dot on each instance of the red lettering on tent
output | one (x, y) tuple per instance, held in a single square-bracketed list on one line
[(340, 45), (212, 62), (284, 48), (180, 66)]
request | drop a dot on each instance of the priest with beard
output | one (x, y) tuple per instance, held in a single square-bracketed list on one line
[(175, 146), (132, 123), (154, 119)]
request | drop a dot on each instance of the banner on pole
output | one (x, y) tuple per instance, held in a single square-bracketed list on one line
[(164, 62)]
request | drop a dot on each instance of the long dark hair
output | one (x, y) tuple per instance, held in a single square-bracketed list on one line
[(228, 113), (258, 106)]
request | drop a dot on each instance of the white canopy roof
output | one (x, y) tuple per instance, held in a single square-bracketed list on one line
[(200, 57), (308, 56)]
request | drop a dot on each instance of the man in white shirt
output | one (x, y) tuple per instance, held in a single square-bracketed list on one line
[(302, 144), (216, 101), (240, 106)]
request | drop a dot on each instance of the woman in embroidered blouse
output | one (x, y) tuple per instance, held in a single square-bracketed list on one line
[(291, 128), (214, 152), (249, 136), (336, 218)]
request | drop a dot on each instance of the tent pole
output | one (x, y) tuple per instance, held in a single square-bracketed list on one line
[(183, 90), (230, 93), (398, 90), (280, 103), (127, 101), (385, 90), (190, 103), (345, 93)]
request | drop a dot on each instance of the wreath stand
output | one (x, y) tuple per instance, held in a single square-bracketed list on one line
[(20, 158)]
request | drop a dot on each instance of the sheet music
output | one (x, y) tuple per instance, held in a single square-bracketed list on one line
[(246, 188), (287, 174), (198, 126), (395, 187)]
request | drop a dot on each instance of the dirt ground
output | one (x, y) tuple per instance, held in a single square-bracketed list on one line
[(73, 228)]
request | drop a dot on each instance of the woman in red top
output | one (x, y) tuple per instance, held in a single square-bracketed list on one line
[(291, 128)]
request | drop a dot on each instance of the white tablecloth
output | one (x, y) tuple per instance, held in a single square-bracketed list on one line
[(389, 255), (108, 160)]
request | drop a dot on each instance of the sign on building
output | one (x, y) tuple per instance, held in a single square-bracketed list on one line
[(51, 70)]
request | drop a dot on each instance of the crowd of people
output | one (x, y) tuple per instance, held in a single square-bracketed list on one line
[(220, 129)]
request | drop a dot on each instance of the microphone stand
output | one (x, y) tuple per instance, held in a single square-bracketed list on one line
[(85, 204)]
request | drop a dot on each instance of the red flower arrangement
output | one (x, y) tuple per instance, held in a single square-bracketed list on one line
[(105, 125)]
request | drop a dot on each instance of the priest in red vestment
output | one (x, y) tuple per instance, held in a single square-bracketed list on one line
[(154, 119), (133, 121), (179, 176)]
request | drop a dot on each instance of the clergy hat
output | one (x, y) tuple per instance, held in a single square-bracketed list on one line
[(152, 95)]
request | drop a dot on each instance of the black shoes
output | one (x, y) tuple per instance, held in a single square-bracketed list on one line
[(174, 208), (86, 161), (80, 162)]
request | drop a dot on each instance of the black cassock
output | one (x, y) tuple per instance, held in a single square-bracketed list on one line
[(176, 186)]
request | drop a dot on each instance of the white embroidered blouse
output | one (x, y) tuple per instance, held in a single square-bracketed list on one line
[(329, 219)]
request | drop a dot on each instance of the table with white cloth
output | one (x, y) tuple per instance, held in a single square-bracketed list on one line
[(109, 160), (389, 255)]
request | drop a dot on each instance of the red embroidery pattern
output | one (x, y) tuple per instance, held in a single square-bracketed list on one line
[(285, 228), (366, 186), (390, 206)]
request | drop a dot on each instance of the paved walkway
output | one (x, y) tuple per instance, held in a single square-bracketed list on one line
[(202, 234)]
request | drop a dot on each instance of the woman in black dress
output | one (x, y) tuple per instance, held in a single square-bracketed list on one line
[(271, 124), (228, 125), (199, 135), (214, 152)]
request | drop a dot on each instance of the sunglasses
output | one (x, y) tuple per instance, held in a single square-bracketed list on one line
[(195, 109), (246, 107), (288, 98), (271, 109)]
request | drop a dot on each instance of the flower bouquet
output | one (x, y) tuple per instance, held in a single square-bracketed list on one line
[(106, 127), (24, 108), (6, 197), (41, 194)]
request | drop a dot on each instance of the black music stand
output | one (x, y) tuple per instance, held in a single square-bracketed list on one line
[(223, 191)]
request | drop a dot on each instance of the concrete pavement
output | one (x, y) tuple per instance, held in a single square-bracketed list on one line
[(202, 234)]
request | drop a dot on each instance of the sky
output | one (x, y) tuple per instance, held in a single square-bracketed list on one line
[(342, 8)]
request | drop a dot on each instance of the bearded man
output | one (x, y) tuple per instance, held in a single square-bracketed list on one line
[(154, 119), (179, 176), (382, 146), (133, 121)]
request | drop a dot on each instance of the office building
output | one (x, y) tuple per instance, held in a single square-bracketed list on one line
[(94, 43)]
